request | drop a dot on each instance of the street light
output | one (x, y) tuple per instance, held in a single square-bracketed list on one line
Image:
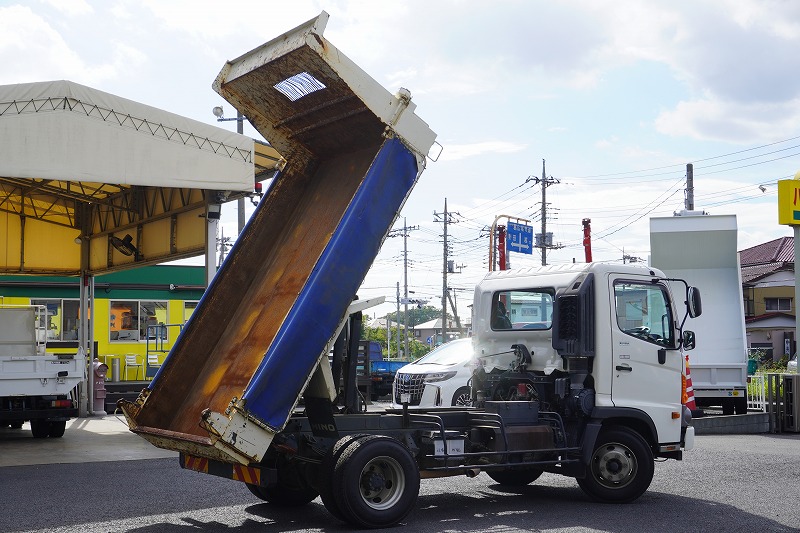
[(220, 114)]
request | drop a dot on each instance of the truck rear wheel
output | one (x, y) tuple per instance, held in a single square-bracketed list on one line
[(325, 477), (40, 429), (56, 429), (291, 488), (621, 467), (375, 482), (282, 495), (515, 477)]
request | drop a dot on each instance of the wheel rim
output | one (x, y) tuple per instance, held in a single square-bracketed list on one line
[(614, 465), (464, 400), (382, 483)]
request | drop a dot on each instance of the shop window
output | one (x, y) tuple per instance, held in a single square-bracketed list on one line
[(188, 310), (129, 320), (60, 318)]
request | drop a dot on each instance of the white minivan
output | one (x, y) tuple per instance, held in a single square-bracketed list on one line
[(439, 379)]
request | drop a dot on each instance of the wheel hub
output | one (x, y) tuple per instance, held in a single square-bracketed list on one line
[(373, 482), (616, 464)]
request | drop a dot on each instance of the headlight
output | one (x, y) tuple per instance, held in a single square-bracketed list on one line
[(439, 376)]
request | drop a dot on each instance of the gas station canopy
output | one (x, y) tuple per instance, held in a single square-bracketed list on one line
[(91, 182)]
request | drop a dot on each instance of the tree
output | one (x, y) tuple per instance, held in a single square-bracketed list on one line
[(417, 315)]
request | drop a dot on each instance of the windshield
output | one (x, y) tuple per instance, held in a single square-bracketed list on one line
[(452, 353)]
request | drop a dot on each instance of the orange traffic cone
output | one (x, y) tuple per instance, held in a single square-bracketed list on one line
[(688, 394)]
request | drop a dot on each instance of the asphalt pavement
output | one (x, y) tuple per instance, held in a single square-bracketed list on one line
[(96, 438)]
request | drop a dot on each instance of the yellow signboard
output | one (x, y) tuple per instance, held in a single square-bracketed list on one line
[(789, 202)]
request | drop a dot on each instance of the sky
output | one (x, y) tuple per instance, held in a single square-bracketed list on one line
[(615, 97)]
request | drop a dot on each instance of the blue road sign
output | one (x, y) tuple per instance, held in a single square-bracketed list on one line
[(519, 238)]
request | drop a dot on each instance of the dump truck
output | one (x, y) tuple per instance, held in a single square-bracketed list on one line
[(718, 367), (35, 386), (248, 391)]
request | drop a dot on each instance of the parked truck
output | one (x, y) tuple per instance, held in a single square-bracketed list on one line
[(35, 386), (702, 249), (596, 396), (381, 371)]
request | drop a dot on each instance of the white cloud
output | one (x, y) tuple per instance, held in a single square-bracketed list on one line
[(70, 7), (714, 119), (50, 57), (453, 152)]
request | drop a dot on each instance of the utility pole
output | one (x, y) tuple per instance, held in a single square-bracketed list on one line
[(543, 242), (240, 201), (218, 112), (398, 320), (689, 187), (446, 218), (394, 233)]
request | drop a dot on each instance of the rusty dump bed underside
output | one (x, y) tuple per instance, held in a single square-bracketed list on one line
[(276, 302)]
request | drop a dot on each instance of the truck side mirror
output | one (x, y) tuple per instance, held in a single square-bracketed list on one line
[(693, 302), (688, 340)]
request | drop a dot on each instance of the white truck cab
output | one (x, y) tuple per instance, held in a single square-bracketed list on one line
[(610, 333)]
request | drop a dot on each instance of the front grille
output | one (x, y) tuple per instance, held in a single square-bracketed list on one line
[(412, 384)]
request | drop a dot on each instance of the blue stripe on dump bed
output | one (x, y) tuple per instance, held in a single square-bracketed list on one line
[(271, 394)]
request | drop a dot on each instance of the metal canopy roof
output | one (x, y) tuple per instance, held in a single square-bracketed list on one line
[(81, 169)]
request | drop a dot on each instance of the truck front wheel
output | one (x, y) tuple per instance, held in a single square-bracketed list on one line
[(621, 467), (376, 482)]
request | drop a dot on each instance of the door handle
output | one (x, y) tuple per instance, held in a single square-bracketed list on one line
[(624, 368)]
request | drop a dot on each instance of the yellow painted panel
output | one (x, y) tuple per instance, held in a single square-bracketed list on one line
[(51, 247), (191, 231), (16, 300), (155, 238), (9, 242), (789, 202)]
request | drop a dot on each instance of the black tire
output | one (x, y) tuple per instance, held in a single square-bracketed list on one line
[(376, 482), (40, 429), (727, 406), (516, 477), (325, 476), (740, 405), (621, 467), (56, 429), (291, 488), (283, 496), (462, 397)]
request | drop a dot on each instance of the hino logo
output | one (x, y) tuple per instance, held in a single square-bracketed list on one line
[(323, 427)]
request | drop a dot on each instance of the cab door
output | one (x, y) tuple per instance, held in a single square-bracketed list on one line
[(646, 367)]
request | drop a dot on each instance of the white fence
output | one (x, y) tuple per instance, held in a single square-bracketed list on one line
[(756, 397)]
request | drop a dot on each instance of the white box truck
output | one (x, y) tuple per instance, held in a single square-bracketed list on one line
[(702, 249), (35, 386)]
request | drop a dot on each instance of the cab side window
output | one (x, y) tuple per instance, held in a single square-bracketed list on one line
[(522, 309), (643, 311)]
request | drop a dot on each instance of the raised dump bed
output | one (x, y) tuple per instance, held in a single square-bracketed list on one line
[(354, 151)]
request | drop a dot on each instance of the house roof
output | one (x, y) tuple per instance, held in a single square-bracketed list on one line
[(767, 258), (776, 251), (776, 319), (754, 273)]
